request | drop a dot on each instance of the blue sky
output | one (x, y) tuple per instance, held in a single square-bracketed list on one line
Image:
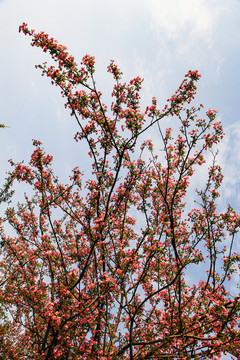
[(159, 40)]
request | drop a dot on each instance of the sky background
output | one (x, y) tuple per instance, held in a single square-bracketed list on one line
[(159, 40)]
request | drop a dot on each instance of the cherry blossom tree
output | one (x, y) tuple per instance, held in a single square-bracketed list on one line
[(108, 267)]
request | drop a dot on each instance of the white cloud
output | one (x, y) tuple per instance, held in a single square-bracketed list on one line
[(197, 17)]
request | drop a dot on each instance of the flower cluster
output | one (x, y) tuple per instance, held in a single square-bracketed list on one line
[(100, 269)]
